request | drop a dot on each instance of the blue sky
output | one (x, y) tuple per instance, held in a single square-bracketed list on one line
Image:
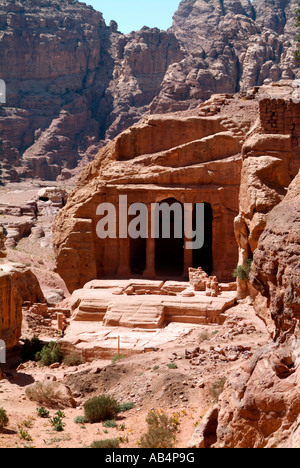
[(132, 15)]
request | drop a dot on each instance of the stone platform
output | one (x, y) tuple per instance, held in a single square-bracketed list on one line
[(156, 312), (148, 304)]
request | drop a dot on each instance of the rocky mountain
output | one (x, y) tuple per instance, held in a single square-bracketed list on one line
[(73, 82)]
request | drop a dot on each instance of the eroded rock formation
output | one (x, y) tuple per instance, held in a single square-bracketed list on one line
[(17, 285), (87, 82), (260, 405), (276, 268)]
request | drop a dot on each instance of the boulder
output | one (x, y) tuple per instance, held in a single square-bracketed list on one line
[(17, 285)]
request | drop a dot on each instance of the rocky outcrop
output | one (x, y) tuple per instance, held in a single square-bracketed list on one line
[(260, 405), (230, 46), (17, 285), (87, 82), (276, 267), (84, 79), (271, 160)]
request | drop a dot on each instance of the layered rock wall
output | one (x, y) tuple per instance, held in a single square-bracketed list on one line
[(73, 82), (260, 405)]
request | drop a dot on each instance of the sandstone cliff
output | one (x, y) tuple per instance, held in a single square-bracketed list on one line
[(230, 46), (260, 405), (73, 82)]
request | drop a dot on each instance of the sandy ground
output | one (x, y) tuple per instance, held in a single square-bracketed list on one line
[(186, 392)]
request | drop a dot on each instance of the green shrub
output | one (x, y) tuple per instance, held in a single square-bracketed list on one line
[(30, 348), (172, 365), (117, 357), (242, 272), (99, 409), (3, 419), (160, 431), (126, 406), (57, 421), (73, 360), (24, 435), (50, 354), (106, 444), (43, 412), (110, 424), (79, 420)]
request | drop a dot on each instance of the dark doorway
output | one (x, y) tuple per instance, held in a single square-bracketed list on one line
[(203, 257), (169, 251), (138, 256)]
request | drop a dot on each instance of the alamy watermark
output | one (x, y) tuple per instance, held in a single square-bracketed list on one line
[(2, 92), (134, 221), (296, 93), (2, 352)]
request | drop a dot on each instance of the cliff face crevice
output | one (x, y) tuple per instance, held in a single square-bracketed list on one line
[(73, 82)]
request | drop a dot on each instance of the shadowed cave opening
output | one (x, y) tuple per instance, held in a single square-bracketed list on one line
[(169, 252), (138, 255)]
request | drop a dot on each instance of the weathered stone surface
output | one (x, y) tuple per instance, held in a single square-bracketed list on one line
[(259, 407), (260, 404), (230, 46), (17, 285), (2, 243), (84, 79), (146, 304), (276, 267), (271, 160), (87, 82), (187, 158)]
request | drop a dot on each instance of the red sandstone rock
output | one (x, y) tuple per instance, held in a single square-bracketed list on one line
[(260, 404), (17, 285), (87, 82)]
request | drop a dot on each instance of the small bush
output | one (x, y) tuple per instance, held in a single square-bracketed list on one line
[(204, 336), (73, 360), (117, 357), (160, 431), (43, 412), (57, 421), (217, 389), (3, 419), (172, 365), (30, 348), (126, 406), (99, 409), (242, 272), (24, 435), (50, 354), (110, 424), (106, 444), (44, 393), (79, 420)]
